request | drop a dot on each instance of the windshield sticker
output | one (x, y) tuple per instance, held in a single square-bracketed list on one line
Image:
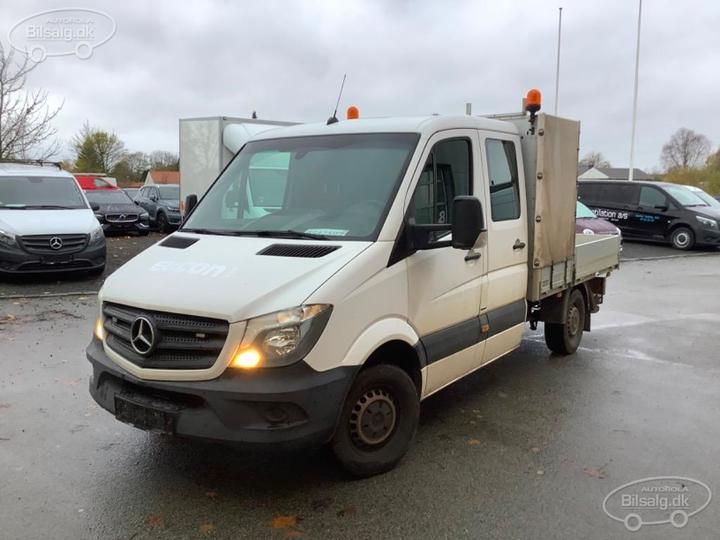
[(328, 232)]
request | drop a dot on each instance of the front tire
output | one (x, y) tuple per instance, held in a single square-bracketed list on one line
[(162, 223), (378, 421), (682, 238), (564, 338)]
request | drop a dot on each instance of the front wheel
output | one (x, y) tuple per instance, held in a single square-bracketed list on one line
[(162, 223), (682, 238), (378, 421), (564, 338)]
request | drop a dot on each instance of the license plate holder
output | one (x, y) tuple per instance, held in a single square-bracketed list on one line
[(143, 417), (56, 259)]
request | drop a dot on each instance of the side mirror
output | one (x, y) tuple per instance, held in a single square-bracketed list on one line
[(190, 203), (94, 206), (467, 223)]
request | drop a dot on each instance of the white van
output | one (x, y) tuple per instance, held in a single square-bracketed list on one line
[(46, 223), (396, 256)]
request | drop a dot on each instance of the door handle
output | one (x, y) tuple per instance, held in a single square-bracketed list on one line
[(472, 256), (518, 244)]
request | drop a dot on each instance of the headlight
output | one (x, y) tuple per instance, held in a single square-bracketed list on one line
[(7, 238), (707, 222), (588, 231), (97, 235), (281, 338), (99, 217), (144, 215)]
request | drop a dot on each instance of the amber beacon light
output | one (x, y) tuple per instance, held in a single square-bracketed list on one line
[(533, 100), (353, 113)]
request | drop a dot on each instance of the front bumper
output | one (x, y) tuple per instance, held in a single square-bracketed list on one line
[(18, 261), (174, 218), (708, 237), (136, 226), (290, 406)]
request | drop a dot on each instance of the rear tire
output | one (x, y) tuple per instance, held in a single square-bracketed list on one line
[(565, 338), (378, 421), (682, 238)]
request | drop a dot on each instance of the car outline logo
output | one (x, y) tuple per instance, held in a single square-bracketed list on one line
[(142, 336), (56, 243), (678, 517)]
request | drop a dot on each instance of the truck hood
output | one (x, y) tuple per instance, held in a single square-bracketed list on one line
[(26, 222), (224, 277)]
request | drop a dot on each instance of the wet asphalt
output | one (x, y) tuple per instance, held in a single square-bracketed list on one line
[(527, 447)]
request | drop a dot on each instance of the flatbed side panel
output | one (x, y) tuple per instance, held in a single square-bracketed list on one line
[(595, 254)]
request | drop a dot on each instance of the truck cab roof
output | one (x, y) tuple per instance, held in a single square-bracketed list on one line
[(413, 124)]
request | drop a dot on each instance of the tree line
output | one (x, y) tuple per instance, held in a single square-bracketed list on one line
[(98, 151), (687, 158)]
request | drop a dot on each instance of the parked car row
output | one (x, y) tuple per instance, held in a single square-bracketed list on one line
[(683, 216)]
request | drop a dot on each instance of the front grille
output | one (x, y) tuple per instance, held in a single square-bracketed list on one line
[(181, 341), (121, 218), (43, 244)]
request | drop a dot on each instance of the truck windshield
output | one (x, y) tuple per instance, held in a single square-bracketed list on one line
[(583, 212), (315, 187), (37, 192)]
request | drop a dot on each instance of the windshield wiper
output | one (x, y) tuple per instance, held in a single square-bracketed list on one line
[(218, 232), (262, 233), (289, 233), (48, 207)]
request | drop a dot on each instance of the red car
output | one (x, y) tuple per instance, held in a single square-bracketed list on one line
[(586, 222), (89, 182)]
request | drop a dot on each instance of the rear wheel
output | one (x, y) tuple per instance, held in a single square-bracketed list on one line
[(378, 421), (564, 338), (682, 238)]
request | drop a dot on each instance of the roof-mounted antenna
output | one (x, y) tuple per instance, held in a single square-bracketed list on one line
[(333, 119)]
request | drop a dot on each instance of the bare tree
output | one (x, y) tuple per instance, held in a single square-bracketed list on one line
[(161, 159), (685, 149), (26, 128), (594, 159)]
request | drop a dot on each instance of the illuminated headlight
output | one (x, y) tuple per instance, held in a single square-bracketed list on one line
[(707, 222), (97, 236), (7, 238), (281, 338)]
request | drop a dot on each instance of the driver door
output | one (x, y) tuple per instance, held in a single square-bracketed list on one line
[(444, 284)]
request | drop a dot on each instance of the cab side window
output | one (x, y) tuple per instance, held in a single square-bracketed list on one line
[(651, 197), (504, 179), (447, 174)]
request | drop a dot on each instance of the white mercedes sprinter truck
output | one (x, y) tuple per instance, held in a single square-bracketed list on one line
[(390, 258)]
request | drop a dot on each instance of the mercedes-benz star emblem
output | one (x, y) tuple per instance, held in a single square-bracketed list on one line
[(122, 217), (142, 336), (56, 242)]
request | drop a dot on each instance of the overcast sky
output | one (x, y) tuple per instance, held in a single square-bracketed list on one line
[(285, 59)]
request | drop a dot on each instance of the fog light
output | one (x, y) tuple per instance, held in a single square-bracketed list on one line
[(100, 329), (246, 359)]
